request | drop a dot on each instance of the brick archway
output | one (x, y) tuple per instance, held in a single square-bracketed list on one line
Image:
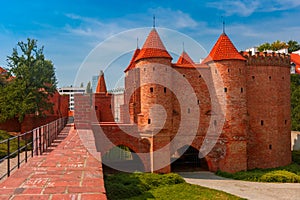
[(187, 158)]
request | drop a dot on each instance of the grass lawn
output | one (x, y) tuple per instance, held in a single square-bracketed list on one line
[(286, 174), (13, 144), (141, 186)]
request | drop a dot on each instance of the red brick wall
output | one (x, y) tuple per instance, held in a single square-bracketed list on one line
[(103, 106), (60, 109), (11, 125), (232, 88), (268, 99), (82, 111)]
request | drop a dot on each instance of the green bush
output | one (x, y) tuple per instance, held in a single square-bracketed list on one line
[(120, 186), (280, 176)]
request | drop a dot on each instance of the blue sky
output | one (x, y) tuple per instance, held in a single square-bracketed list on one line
[(70, 30)]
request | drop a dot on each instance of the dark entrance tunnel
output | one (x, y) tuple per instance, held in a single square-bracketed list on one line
[(187, 159)]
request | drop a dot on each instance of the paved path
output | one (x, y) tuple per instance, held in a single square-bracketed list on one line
[(66, 172), (245, 189)]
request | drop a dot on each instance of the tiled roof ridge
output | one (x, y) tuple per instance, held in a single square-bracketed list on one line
[(132, 61), (184, 58)]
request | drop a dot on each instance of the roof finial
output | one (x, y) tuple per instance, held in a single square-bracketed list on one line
[(153, 21), (183, 47), (137, 42), (223, 22)]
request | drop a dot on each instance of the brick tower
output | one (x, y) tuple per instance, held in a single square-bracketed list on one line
[(228, 71), (102, 101), (151, 103)]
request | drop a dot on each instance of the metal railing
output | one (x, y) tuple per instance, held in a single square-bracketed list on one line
[(29, 144)]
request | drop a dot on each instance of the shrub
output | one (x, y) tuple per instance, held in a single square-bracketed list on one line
[(280, 176), (120, 186)]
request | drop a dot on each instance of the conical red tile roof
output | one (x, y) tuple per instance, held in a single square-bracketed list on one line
[(223, 50), (2, 70), (132, 62), (153, 47), (101, 86), (184, 59)]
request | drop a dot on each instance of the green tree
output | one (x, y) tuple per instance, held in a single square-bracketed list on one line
[(264, 47), (275, 46), (89, 88), (295, 101), (293, 46), (34, 81)]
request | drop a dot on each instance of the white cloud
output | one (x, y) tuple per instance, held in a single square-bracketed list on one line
[(246, 8), (175, 18)]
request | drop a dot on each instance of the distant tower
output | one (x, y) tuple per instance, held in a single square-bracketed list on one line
[(228, 64), (103, 101)]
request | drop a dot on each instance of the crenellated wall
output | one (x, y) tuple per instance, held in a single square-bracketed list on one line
[(268, 103)]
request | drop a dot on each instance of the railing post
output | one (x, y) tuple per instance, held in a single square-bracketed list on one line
[(18, 151), (25, 147), (8, 157), (32, 142), (36, 143), (40, 140)]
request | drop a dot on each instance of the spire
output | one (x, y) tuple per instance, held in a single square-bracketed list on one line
[(184, 59), (153, 47), (153, 21), (223, 50), (101, 86), (223, 22)]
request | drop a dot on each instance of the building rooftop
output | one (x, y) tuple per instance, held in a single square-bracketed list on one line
[(153, 47), (223, 50)]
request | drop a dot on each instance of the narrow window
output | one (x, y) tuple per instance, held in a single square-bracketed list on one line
[(166, 69), (216, 71), (198, 102), (242, 90), (270, 77), (253, 77), (270, 146), (96, 107), (199, 76), (110, 106), (228, 70), (262, 122), (149, 121), (215, 122), (225, 89), (189, 110), (153, 68), (240, 70), (285, 121), (151, 89), (165, 90), (283, 78), (183, 75), (144, 69)]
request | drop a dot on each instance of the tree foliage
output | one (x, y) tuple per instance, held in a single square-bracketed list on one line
[(89, 88), (34, 81), (291, 45), (295, 101)]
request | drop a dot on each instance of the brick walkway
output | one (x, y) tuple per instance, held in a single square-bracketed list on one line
[(67, 171)]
